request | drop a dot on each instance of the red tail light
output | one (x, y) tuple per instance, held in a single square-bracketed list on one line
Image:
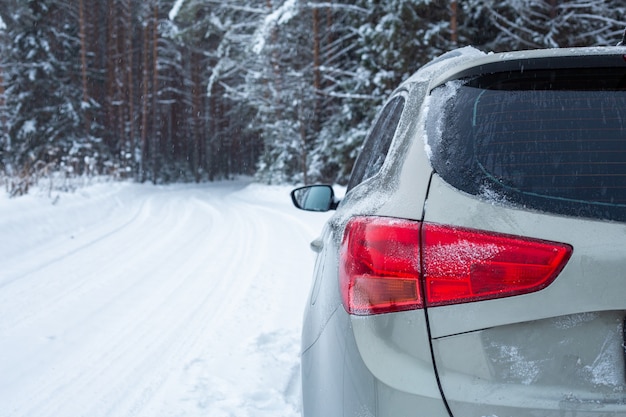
[(381, 270), (463, 265)]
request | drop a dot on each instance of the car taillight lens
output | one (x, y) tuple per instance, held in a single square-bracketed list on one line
[(381, 270), (464, 265)]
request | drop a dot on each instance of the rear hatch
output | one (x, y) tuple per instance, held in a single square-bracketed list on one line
[(536, 156)]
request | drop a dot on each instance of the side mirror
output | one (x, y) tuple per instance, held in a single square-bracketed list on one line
[(314, 198)]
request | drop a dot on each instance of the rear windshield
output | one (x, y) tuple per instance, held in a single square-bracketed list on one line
[(551, 140)]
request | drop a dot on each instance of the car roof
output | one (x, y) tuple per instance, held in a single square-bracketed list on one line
[(468, 61)]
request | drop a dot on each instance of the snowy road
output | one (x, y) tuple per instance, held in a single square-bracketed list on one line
[(135, 300)]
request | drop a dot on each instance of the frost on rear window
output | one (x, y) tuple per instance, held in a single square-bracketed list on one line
[(549, 140), (493, 196), (437, 104), (435, 68), (441, 102)]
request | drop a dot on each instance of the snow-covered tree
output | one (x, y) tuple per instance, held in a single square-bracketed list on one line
[(167, 90), (529, 24), (44, 95), (378, 44), (281, 88), (214, 39)]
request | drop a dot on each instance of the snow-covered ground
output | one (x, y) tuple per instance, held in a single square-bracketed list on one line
[(134, 300)]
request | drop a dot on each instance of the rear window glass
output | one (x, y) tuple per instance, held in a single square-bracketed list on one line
[(552, 140)]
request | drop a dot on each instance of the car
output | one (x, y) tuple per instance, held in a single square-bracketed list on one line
[(476, 265)]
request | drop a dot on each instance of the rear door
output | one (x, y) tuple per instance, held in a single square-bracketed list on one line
[(534, 165)]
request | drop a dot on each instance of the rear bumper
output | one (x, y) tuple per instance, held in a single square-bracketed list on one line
[(569, 365)]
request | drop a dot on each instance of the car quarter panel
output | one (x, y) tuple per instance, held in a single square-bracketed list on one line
[(380, 366)]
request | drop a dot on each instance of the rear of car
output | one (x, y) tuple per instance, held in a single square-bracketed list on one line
[(534, 148), (479, 267)]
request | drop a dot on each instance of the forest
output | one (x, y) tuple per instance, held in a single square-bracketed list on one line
[(199, 90)]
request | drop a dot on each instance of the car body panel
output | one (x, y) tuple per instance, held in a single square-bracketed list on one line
[(557, 350)]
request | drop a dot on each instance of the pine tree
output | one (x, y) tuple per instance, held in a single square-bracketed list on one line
[(44, 94), (282, 89), (530, 24), (203, 89), (383, 42)]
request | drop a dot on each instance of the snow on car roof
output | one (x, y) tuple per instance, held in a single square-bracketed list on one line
[(462, 59)]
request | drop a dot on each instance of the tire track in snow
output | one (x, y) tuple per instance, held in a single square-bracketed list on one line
[(214, 305), (73, 283), (156, 332), (90, 313), (209, 387)]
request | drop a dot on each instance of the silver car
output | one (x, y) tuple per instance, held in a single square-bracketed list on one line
[(477, 263)]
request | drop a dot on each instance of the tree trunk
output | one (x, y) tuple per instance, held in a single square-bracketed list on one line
[(317, 76), (316, 51), (83, 62), (195, 116), (454, 35), (274, 64), (144, 104), (553, 9), (3, 114), (155, 91), (130, 88), (111, 71), (304, 156)]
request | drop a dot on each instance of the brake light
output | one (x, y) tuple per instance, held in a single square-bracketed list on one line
[(381, 270), (464, 265)]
